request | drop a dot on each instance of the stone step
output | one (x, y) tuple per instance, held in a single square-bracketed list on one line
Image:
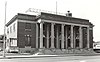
[(48, 51), (64, 51), (59, 51)]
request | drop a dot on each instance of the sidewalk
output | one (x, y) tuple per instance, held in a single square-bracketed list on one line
[(28, 56), (94, 54), (10, 56)]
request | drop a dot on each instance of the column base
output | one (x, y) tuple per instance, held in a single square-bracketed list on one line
[(52, 47), (40, 49)]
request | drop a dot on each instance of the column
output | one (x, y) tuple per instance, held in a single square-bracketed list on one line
[(74, 37), (41, 35), (36, 35), (66, 38), (72, 44), (52, 35), (88, 42), (57, 46), (80, 37), (47, 36), (62, 33)]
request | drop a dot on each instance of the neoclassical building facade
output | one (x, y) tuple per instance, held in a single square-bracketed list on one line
[(47, 32)]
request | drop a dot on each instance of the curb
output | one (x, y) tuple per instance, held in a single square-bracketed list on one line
[(31, 56), (41, 56)]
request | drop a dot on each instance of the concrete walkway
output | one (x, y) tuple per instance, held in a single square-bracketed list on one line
[(28, 56), (12, 55)]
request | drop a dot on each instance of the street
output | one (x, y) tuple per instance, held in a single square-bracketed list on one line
[(55, 59)]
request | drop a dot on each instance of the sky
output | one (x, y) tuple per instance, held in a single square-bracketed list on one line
[(85, 9)]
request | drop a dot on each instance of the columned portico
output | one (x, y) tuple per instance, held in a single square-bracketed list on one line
[(59, 33)]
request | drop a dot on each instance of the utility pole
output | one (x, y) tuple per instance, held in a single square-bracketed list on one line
[(56, 7), (4, 39)]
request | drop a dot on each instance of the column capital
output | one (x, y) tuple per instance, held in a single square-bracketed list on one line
[(90, 28), (80, 26), (63, 24), (72, 25), (41, 22), (53, 23)]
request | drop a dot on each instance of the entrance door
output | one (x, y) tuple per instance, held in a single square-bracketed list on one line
[(27, 40)]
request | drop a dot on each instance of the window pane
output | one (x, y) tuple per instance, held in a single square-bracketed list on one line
[(8, 31), (14, 27), (11, 29)]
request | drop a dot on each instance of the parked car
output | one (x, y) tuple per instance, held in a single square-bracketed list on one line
[(1, 49), (12, 49), (96, 47)]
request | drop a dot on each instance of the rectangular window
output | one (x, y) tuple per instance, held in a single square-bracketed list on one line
[(28, 26), (13, 42), (10, 29), (14, 27)]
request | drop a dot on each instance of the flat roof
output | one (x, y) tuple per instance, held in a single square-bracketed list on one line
[(49, 16)]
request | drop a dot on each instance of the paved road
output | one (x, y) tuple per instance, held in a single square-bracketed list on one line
[(55, 59)]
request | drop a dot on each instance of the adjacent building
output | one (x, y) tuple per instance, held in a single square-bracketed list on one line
[(48, 31), (1, 42)]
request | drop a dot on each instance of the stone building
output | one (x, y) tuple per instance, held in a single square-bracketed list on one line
[(49, 33)]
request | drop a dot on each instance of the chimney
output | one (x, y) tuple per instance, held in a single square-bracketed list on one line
[(69, 14)]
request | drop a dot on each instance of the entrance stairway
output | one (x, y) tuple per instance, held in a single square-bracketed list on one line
[(64, 51)]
